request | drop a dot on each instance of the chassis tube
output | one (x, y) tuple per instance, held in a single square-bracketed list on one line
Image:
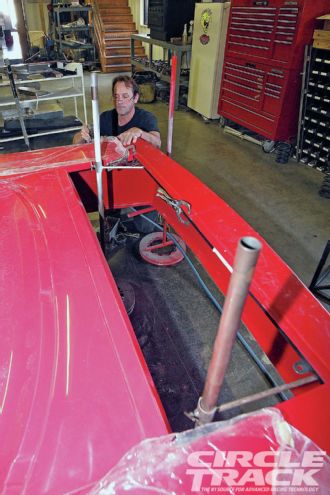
[(97, 150), (245, 261), (171, 105)]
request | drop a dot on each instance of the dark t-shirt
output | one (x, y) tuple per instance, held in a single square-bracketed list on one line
[(142, 119)]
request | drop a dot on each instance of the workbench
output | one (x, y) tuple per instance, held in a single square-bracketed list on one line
[(169, 49)]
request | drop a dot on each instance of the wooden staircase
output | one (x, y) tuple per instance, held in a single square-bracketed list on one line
[(113, 24)]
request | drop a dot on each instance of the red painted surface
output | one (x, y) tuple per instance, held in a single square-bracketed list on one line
[(75, 392)]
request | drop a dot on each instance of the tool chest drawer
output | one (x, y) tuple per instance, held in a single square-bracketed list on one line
[(274, 30), (256, 86), (254, 95)]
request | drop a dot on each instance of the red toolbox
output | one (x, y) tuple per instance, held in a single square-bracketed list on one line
[(261, 79)]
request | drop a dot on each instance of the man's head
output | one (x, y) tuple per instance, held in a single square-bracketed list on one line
[(125, 93)]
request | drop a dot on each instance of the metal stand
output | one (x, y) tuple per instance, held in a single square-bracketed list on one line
[(320, 276)]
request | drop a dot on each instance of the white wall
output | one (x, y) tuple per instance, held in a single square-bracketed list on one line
[(33, 11)]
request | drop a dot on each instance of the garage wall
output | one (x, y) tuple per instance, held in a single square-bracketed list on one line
[(36, 15), (136, 8)]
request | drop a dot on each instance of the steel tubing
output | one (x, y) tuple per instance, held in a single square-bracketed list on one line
[(171, 105), (97, 142), (245, 261)]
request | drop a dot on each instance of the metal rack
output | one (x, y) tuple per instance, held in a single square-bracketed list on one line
[(72, 87), (169, 49), (313, 144), (81, 36)]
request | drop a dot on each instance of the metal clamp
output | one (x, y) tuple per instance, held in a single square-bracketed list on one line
[(176, 204), (126, 161)]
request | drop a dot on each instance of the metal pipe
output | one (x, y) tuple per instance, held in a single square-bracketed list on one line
[(267, 393), (17, 102), (245, 261), (97, 151), (171, 105)]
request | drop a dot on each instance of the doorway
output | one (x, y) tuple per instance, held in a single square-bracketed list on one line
[(14, 42)]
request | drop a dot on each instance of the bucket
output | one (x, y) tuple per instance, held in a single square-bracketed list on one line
[(147, 92)]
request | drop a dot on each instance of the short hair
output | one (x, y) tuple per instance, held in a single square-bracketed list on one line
[(129, 83)]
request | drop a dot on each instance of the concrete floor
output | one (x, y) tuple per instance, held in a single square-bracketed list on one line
[(280, 201)]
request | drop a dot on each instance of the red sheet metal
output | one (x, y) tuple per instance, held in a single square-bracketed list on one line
[(279, 302), (275, 287), (72, 158), (75, 393)]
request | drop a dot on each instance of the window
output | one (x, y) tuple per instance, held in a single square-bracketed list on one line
[(145, 12)]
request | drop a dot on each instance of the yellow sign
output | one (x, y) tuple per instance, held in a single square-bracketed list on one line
[(206, 19)]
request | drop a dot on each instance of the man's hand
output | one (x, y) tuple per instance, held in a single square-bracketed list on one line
[(120, 148), (83, 136), (130, 136)]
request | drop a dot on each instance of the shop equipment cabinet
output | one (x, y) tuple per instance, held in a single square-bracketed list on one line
[(313, 145), (261, 79)]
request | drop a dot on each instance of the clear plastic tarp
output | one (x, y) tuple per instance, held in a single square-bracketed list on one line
[(74, 156), (253, 453)]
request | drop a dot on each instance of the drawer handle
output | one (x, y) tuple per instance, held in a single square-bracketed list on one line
[(257, 99), (273, 96), (256, 78), (249, 30), (268, 40), (229, 74), (249, 46), (250, 67), (243, 86)]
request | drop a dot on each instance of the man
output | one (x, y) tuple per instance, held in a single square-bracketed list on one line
[(125, 121)]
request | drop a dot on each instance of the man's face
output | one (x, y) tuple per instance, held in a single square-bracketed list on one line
[(123, 98)]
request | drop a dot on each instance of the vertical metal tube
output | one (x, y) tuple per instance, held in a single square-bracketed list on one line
[(97, 150), (245, 261), (17, 102), (171, 105)]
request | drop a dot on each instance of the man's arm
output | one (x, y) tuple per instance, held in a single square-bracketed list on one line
[(133, 134)]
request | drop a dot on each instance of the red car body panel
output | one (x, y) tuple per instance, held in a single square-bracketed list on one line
[(75, 391)]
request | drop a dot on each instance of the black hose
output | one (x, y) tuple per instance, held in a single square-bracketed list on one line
[(240, 337)]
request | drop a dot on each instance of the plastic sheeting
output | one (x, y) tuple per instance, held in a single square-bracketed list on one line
[(254, 453), (70, 157)]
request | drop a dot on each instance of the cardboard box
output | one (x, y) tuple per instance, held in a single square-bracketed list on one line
[(320, 34), (321, 37), (323, 44)]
